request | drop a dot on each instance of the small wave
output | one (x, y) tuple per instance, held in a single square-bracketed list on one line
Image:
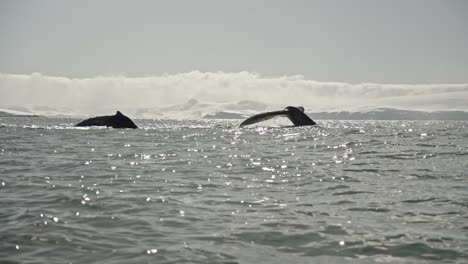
[(353, 193)]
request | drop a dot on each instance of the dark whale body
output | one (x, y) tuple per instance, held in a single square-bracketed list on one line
[(295, 114), (116, 121)]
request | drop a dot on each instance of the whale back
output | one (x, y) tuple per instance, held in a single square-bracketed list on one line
[(118, 120)]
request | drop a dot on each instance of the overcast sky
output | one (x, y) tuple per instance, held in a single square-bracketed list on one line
[(397, 41)]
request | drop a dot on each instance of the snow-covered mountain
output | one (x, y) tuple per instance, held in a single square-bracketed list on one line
[(196, 94), (17, 113)]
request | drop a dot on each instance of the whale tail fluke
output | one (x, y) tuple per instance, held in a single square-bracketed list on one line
[(263, 117), (298, 117), (295, 114)]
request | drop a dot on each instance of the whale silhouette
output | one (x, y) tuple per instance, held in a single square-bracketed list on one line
[(295, 114), (118, 120)]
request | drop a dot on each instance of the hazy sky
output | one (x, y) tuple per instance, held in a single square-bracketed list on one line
[(397, 41)]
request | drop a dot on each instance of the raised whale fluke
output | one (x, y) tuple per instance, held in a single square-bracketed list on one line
[(295, 114), (118, 120)]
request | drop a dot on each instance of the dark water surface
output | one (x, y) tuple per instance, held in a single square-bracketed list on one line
[(208, 192)]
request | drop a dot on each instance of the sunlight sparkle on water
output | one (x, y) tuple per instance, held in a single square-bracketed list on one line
[(291, 203), (151, 251)]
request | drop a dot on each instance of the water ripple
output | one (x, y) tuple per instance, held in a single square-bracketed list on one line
[(208, 192)]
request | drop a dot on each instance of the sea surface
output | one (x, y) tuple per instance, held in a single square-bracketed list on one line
[(208, 192)]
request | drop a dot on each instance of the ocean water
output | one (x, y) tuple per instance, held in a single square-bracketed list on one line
[(209, 192)]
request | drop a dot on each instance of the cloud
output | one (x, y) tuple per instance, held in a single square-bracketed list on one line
[(94, 95)]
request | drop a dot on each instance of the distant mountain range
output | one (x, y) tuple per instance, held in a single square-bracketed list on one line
[(392, 114), (376, 114), (15, 113), (193, 109)]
